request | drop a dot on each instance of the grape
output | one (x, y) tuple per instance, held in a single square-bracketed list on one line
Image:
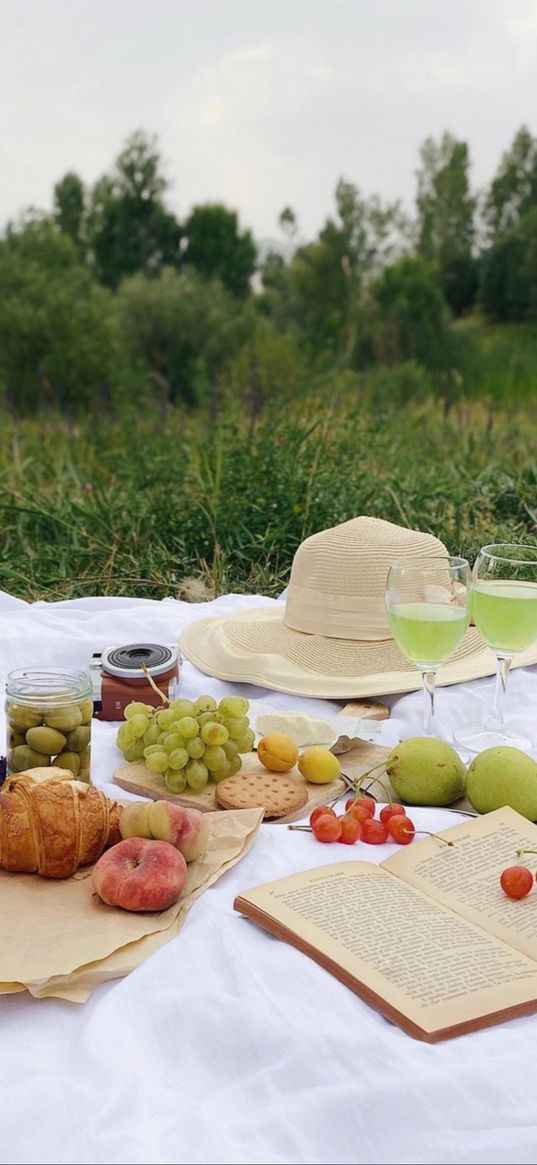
[(231, 749), (137, 725), (182, 708), (166, 717), (175, 780), (173, 741), (235, 762), (246, 743), (237, 726), (178, 758), (152, 733), (188, 727), (204, 704), (209, 718), (195, 747), (225, 771), (233, 706), (214, 733), (123, 736), (134, 751), (197, 774), (136, 708), (151, 749), (215, 758), (157, 762)]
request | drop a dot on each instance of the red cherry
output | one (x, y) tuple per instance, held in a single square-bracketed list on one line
[(391, 810), (516, 881), (374, 832), (319, 811), (401, 829), (327, 827), (351, 829)]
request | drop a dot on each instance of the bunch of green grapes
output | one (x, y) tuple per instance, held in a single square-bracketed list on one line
[(188, 742)]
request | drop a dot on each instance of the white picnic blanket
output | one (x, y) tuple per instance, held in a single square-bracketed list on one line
[(227, 1045)]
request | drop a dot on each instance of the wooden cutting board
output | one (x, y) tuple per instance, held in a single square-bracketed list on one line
[(136, 778)]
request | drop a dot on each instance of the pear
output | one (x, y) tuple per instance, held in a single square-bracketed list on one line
[(425, 771), (503, 776)]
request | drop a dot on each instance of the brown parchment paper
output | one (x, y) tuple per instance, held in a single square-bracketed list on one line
[(58, 939)]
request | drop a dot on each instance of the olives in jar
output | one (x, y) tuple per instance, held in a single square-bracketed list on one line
[(49, 717)]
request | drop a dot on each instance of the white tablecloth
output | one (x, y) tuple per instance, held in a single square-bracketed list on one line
[(227, 1045)]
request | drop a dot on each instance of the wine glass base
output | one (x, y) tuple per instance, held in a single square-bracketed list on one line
[(478, 739)]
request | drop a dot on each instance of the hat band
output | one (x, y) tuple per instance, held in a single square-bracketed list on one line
[(335, 616)]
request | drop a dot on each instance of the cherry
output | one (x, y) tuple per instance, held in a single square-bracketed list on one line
[(320, 811), (401, 829), (327, 827), (516, 881), (351, 829), (374, 832), (391, 810)]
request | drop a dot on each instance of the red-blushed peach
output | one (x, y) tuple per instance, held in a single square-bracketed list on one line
[(138, 874), (186, 829), (134, 820)]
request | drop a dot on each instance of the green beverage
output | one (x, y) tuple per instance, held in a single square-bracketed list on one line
[(506, 614), (427, 633)]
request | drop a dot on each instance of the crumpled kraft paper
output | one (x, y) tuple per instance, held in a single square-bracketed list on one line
[(58, 939)]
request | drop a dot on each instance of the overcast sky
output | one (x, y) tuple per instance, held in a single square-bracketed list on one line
[(259, 103)]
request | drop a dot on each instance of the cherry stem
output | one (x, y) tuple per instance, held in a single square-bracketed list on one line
[(378, 781), (437, 835), (520, 852), (306, 828)]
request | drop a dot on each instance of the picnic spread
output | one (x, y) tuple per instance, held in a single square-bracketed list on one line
[(144, 1019)]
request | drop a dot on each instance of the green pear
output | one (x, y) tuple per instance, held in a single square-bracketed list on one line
[(503, 776), (425, 771)]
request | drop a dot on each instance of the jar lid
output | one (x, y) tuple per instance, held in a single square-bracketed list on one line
[(48, 686), (126, 662)]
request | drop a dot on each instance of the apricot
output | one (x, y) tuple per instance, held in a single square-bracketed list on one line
[(277, 752), (319, 765)]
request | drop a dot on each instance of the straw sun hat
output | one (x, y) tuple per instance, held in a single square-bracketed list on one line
[(332, 638)]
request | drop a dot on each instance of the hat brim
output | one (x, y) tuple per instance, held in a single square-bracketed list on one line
[(257, 647)]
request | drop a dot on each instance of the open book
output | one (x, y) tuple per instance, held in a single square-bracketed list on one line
[(427, 937)]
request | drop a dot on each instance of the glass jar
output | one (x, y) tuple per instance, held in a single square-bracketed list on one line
[(49, 720)]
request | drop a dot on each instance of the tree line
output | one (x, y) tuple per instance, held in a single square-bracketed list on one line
[(109, 295)]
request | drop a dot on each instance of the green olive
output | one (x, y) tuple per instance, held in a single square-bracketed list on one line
[(68, 760), (15, 738), (85, 758), (84, 775), (23, 718), (23, 757), (64, 718), (78, 739), (86, 710), (45, 739)]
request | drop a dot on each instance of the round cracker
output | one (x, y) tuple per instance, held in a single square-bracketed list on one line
[(277, 793)]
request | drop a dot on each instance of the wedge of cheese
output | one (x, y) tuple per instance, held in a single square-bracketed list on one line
[(301, 728)]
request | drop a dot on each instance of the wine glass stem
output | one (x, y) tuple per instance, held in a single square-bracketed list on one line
[(495, 720), (429, 723)]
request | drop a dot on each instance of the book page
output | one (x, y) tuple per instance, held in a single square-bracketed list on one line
[(465, 876), (376, 932)]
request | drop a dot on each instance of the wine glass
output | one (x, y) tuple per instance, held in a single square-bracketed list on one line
[(427, 602), (504, 609)]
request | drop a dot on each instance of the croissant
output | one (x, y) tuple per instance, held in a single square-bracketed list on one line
[(51, 824)]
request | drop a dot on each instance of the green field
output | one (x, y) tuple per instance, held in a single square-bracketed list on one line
[(130, 506)]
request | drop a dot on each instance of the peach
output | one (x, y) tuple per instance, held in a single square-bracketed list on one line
[(277, 752), (134, 820), (138, 874), (186, 829)]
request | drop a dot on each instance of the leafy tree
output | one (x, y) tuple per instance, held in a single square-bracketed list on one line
[(180, 330), (217, 249), (57, 341), (69, 209), (446, 218), (513, 190), (508, 288), (129, 227), (412, 317)]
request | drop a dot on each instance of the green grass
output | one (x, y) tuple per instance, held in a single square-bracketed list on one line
[(137, 507)]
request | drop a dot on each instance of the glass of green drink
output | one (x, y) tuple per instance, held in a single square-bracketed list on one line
[(427, 602), (504, 609)]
